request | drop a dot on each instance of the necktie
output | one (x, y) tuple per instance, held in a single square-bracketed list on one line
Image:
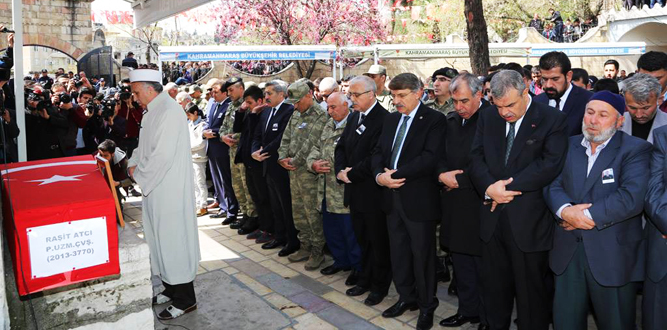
[(273, 112), (399, 140), (510, 141), (463, 122), (361, 119), (558, 104)]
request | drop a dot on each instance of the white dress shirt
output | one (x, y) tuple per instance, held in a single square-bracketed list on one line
[(410, 119), (365, 113), (563, 99)]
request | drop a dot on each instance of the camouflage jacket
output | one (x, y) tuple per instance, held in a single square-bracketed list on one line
[(200, 103), (302, 130), (227, 126), (385, 100), (326, 183), (444, 108)]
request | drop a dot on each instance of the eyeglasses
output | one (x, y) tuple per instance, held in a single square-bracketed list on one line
[(356, 95)]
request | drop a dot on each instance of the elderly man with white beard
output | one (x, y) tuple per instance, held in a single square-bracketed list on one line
[(599, 251)]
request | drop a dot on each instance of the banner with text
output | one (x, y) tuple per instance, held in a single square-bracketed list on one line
[(248, 55), (591, 51), (448, 52)]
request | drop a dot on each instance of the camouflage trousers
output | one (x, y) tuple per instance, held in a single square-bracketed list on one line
[(307, 220), (240, 186)]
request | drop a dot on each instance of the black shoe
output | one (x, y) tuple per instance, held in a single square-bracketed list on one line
[(353, 278), (133, 192), (272, 245), (356, 291), (483, 327), (374, 298), (221, 215), (425, 321), (287, 250), (254, 235), (236, 225), (246, 230), (330, 270), (458, 320), (264, 238), (399, 308)]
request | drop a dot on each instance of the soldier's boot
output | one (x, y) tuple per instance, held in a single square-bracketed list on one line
[(301, 255), (314, 261)]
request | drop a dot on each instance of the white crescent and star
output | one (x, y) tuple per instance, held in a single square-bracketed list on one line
[(58, 178)]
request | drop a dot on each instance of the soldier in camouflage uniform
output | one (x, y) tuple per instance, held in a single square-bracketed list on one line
[(249, 222), (443, 100), (379, 74), (336, 219), (197, 97), (302, 131)]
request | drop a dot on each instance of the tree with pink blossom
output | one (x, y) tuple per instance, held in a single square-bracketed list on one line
[(300, 22)]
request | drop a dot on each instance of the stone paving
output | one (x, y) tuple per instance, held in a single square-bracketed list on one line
[(241, 286)]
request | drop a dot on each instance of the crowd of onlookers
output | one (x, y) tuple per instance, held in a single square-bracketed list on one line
[(182, 73), (555, 29), (261, 67), (628, 4)]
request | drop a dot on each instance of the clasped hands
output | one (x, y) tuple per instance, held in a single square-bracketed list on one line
[(574, 217), (385, 179), (499, 194)]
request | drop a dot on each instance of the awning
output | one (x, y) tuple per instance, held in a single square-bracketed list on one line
[(151, 11), (591, 49)]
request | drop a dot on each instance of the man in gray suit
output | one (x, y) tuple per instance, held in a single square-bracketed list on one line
[(598, 252), (655, 284), (641, 97)]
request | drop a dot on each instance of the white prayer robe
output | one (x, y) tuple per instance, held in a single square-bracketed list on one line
[(164, 172)]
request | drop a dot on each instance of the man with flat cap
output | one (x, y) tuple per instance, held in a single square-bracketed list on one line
[(598, 251), (161, 163), (303, 130)]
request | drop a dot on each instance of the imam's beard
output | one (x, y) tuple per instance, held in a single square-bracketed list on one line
[(603, 136)]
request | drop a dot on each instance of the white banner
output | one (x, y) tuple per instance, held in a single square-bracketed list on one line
[(68, 246)]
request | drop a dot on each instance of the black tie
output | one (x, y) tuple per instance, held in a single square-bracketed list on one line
[(268, 121), (361, 119), (510, 141), (558, 104)]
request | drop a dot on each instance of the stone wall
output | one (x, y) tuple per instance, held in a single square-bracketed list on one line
[(64, 25)]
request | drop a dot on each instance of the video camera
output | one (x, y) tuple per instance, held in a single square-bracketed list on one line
[(108, 106), (125, 93), (37, 99)]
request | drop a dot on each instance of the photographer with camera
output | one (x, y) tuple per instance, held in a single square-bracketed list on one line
[(46, 126), (8, 150), (132, 112), (78, 115), (105, 124)]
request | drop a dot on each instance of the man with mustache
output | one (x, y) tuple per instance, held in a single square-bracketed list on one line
[(559, 92), (599, 251)]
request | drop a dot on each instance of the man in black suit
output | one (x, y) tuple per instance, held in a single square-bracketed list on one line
[(218, 155), (404, 162), (560, 93), (268, 133), (460, 200), (246, 122), (519, 148), (362, 194)]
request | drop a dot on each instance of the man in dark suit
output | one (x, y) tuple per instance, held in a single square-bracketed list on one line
[(404, 162), (519, 148), (218, 156), (246, 122), (460, 200), (598, 253), (362, 195), (559, 92), (655, 282), (268, 133)]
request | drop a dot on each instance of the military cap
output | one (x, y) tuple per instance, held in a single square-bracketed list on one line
[(296, 91)]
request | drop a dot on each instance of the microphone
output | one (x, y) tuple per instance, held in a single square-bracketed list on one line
[(6, 30)]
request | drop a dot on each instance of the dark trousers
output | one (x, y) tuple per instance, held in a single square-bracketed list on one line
[(576, 288), (412, 246), (182, 295), (558, 29), (468, 270), (281, 203), (340, 239), (370, 229), (259, 192), (654, 316), (221, 174), (508, 272)]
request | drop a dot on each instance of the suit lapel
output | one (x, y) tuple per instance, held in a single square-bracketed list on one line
[(571, 99), (606, 156), (415, 126), (528, 126)]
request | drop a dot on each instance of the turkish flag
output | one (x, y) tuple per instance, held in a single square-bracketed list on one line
[(60, 220)]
